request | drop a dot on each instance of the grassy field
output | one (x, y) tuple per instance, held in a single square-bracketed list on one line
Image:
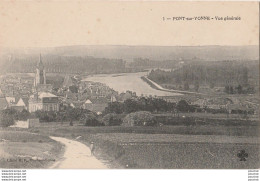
[(220, 116), (21, 149), (53, 128), (198, 146)]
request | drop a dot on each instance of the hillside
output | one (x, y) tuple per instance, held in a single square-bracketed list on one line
[(151, 52)]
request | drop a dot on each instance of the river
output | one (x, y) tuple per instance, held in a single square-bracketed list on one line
[(129, 81)]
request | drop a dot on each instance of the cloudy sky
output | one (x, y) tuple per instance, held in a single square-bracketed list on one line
[(59, 23)]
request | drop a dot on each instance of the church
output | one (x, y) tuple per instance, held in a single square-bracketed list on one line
[(42, 99), (40, 78)]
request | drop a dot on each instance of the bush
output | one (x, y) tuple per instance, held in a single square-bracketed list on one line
[(183, 106), (7, 117), (90, 119), (112, 120), (23, 115), (141, 118), (46, 116)]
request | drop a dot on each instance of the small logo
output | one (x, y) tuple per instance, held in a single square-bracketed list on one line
[(242, 155)]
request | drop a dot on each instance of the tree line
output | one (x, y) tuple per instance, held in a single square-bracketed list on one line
[(64, 64), (148, 104), (230, 74)]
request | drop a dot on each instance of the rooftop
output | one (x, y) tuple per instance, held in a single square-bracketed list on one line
[(45, 94)]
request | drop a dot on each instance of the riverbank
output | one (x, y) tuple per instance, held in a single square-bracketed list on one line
[(158, 87), (129, 82)]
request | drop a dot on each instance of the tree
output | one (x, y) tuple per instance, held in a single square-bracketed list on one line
[(196, 85), (61, 117), (226, 90), (71, 123), (186, 86), (23, 115), (250, 90), (130, 105), (140, 118), (73, 89), (239, 89), (245, 76), (114, 107), (112, 120), (177, 79), (7, 117), (229, 89), (45, 116), (183, 106), (212, 84), (90, 119)]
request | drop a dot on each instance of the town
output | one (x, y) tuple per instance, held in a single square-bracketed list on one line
[(133, 107), (32, 92)]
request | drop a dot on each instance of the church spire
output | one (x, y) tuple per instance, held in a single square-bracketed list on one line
[(40, 64), (40, 77)]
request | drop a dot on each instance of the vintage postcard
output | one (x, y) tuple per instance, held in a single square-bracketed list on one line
[(129, 85)]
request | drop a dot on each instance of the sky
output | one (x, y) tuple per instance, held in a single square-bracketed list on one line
[(61, 23)]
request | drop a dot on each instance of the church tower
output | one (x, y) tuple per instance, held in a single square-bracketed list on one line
[(40, 75)]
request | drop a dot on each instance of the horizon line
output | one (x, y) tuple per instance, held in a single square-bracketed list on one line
[(125, 45)]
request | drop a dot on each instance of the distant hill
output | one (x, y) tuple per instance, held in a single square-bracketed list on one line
[(159, 53)]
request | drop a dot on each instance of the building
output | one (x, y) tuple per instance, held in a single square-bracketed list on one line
[(30, 123), (23, 103), (11, 100), (43, 101), (40, 78), (17, 103), (96, 105), (40, 75)]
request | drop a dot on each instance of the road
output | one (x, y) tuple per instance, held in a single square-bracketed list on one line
[(76, 156)]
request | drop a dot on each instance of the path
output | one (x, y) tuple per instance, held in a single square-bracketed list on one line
[(76, 156)]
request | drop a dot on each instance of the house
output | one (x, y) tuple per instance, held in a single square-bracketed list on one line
[(23, 102), (30, 123), (97, 105), (43, 101), (88, 102), (11, 100), (76, 104), (17, 103), (113, 99), (20, 105), (33, 122)]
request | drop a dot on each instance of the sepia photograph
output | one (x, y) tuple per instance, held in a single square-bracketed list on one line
[(129, 85)]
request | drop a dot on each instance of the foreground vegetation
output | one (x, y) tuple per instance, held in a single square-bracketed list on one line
[(177, 146), (20, 149)]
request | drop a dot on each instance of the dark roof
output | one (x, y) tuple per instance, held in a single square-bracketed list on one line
[(100, 100), (77, 104), (25, 100)]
